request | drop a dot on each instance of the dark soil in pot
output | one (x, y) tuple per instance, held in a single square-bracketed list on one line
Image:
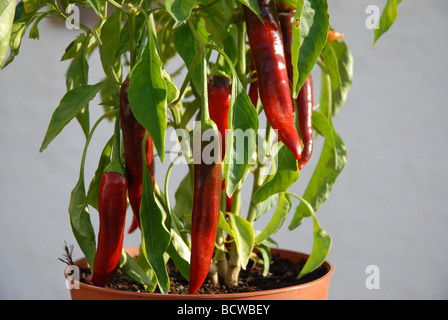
[(282, 273)]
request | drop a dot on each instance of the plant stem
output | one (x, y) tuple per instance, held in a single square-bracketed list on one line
[(253, 208), (205, 116), (119, 6), (132, 39), (234, 264), (89, 137), (241, 65), (184, 86)]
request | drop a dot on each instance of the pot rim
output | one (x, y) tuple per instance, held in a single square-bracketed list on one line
[(211, 296)]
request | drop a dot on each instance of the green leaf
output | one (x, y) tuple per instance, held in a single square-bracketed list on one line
[(342, 76), (331, 162), (253, 6), (286, 174), (7, 10), (180, 254), (387, 19), (132, 269), (71, 104), (243, 125), (321, 245), (266, 205), (180, 10), (309, 37), (284, 205), (80, 221), (21, 23), (110, 42), (155, 235), (267, 258), (244, 237), (330, 60), (223, 225), (34, 31), (172, 90), (77, 76), (33, 5), (140, 30), (77, 46), (184, 197), (147, 96)]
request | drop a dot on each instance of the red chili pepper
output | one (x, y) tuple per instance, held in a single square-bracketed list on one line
[(305, 110), (219, 94), (112, 205), (304, 99), (273, 85), (133, 134), (207, 188), (286, 18)]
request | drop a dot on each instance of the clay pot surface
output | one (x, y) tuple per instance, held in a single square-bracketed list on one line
[(313, 290)]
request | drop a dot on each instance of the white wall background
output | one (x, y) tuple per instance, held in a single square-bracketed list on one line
[(389, 207)]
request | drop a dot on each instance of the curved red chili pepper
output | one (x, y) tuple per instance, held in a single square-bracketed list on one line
[(207, 186), (305, 110), (305, 98), (133, 134), (112, 205), (273, 85)]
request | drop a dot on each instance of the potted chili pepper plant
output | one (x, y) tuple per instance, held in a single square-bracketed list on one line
[(244, 108)]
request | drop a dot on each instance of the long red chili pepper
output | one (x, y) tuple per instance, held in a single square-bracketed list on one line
[(133, 134), (304, 99), (219, 94), (266, 45), (112, 206), (207, 188)]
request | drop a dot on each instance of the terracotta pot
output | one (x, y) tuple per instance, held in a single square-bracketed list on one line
[(313, 290)]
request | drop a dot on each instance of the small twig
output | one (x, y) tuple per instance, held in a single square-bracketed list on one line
[(67, 256)]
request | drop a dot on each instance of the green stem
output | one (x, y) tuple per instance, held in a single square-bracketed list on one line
[(241, 65), (132, 43), (234, 264), (151, 25), (89, 137), (119, 6), (184, 86), (115, 164), (56, 8), (205, 116), (225, 56), (110, 70), (253, 208)]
